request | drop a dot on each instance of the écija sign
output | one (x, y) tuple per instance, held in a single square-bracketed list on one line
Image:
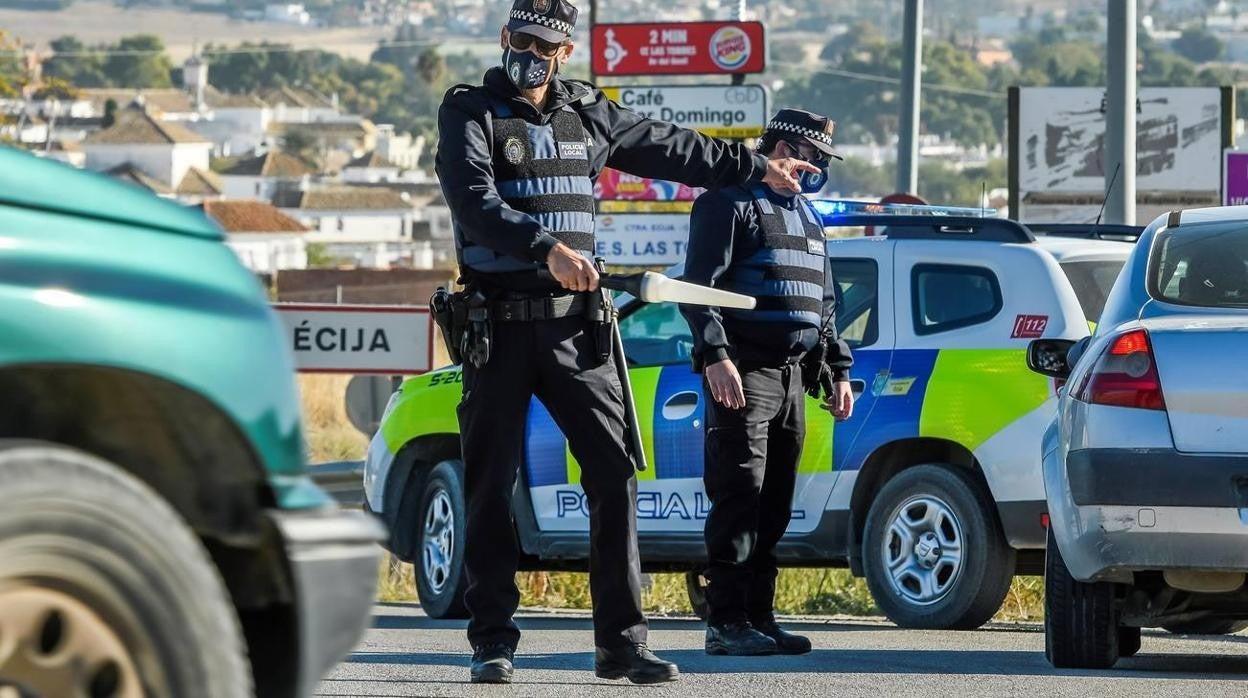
[(358, 339), (681, 48)]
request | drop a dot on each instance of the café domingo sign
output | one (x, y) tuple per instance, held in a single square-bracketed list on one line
[(686, 48), (720, 111), (389, 340)]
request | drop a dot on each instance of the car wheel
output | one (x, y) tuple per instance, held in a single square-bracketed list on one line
[(439, 565), (1128, 641), (1081, 629), (934, 554), (695, 584), (104, 589), (1206, 626)]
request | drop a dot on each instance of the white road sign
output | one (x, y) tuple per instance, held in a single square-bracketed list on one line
[(389, 340), (643, 239), (722, 111)]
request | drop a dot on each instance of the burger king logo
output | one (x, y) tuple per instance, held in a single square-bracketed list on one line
[(730, 48)]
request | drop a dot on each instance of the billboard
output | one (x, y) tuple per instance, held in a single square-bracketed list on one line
[(1061, 134), (643, 239), (681, 48), (1235, 178), (614, 185), (721, 111)]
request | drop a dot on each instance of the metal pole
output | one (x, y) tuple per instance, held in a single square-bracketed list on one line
[(593, 20), (739, 78), (1120, 105), (908, 132)]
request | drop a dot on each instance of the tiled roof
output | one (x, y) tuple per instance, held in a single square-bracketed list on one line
[(296, 97), (197, 182), (128, 172), (165, 100), (354, 128), (237, 216), (273, 163), (343, 199), (371, 159), (227, 100), (137, 127)]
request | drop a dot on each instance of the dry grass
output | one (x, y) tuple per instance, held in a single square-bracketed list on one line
[(330, 435)]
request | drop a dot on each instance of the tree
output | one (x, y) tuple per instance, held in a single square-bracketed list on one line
[(110, 113), (431, 67), (73, 62), (1198, 45), (139, 61), (12, 73)]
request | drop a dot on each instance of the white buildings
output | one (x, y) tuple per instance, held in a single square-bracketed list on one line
[(370, 168), (287, 13), (260, 176), (371, 226), (265, 239), (165, 151), (400, 149)]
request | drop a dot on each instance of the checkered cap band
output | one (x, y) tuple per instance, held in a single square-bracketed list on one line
[(820, 136), (533, 18)]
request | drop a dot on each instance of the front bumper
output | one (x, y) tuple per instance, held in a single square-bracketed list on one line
[(333, 556), (1116, 512)]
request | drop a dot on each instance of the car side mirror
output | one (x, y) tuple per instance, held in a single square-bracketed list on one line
[(1049, 357)]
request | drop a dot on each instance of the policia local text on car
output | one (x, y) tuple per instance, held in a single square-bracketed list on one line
[(517, 158), (768, 243)]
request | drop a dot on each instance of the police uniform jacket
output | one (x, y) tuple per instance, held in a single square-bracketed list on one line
[(726, 233), (615, 137)]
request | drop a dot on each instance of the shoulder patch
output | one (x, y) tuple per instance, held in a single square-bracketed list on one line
[(585, 93)]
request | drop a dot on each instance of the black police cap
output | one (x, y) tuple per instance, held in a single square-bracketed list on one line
[(816, 129), (551, 20)]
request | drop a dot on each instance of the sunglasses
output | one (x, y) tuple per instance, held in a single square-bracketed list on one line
[(818, 158), (523, 42)]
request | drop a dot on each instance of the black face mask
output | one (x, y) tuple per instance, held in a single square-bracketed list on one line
[(813, 182), (527, 70)]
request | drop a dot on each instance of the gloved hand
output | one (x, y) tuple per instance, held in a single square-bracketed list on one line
[(816, 374)]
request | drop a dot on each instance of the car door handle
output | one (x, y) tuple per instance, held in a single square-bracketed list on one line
[(857, 386), (680, 406)]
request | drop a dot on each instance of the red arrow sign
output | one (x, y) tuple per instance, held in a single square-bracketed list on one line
[(685, 48)]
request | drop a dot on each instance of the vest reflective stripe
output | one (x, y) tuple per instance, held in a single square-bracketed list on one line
[(786, 273), (542, 170)]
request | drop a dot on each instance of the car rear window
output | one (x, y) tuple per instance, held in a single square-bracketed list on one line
[(1202, 265), (1092, 281)]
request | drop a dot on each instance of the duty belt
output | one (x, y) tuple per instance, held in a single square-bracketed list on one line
[(531, 309)]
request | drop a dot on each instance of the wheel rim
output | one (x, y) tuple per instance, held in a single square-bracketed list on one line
[(52, 644), (439, 541), (923, 550)]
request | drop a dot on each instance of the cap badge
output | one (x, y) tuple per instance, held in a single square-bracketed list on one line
[(541, 6), (513, 150)]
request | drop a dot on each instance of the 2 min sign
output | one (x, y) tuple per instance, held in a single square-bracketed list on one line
[(358, 339), (684, 48)]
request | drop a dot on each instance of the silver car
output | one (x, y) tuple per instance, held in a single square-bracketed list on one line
[(1146, 465)]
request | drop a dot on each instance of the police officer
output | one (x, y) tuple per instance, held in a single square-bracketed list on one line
[(768, 243), (517, 158)]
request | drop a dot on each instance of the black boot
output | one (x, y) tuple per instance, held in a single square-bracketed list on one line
[(635, 661), (786, 643), (492, 664), (738, 640)]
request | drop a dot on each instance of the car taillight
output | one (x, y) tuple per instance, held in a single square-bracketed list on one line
[(1125, 375)]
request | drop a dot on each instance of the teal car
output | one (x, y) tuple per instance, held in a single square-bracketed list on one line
[(159, 535), (931, 491)]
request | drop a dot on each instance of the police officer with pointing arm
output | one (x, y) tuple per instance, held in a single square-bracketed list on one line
[(765, 242), (517, 157)]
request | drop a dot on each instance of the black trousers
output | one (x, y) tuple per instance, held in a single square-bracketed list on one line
[(750, 473), (555, 360)]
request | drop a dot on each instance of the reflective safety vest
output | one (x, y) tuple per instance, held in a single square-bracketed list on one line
[(542, 170), (786, 273)]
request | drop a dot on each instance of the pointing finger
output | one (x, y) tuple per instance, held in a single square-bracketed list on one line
[(804, 166)]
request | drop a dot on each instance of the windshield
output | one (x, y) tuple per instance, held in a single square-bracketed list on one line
[(1202, 265), (1092, 281)]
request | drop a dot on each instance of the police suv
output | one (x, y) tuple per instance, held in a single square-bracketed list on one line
[(932, 490)]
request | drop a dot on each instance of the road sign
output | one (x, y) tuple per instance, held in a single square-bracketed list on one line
[(684, 207), (382, 339), (683, 48), (643, 239), (722, 111), (1235, 178)]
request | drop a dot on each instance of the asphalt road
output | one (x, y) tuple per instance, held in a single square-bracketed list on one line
[(407, 654)]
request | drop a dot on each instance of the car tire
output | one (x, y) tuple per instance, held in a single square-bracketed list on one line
[(912, 528), (1081, 624), (439, 565), (104, 589), (695, 585), (1206, 626), (1129, 641)]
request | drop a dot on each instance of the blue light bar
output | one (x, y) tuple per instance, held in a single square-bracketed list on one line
[(830, 210)]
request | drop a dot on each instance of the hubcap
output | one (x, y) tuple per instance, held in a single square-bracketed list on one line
[(439, 541), (923, 550), (52, 644)]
